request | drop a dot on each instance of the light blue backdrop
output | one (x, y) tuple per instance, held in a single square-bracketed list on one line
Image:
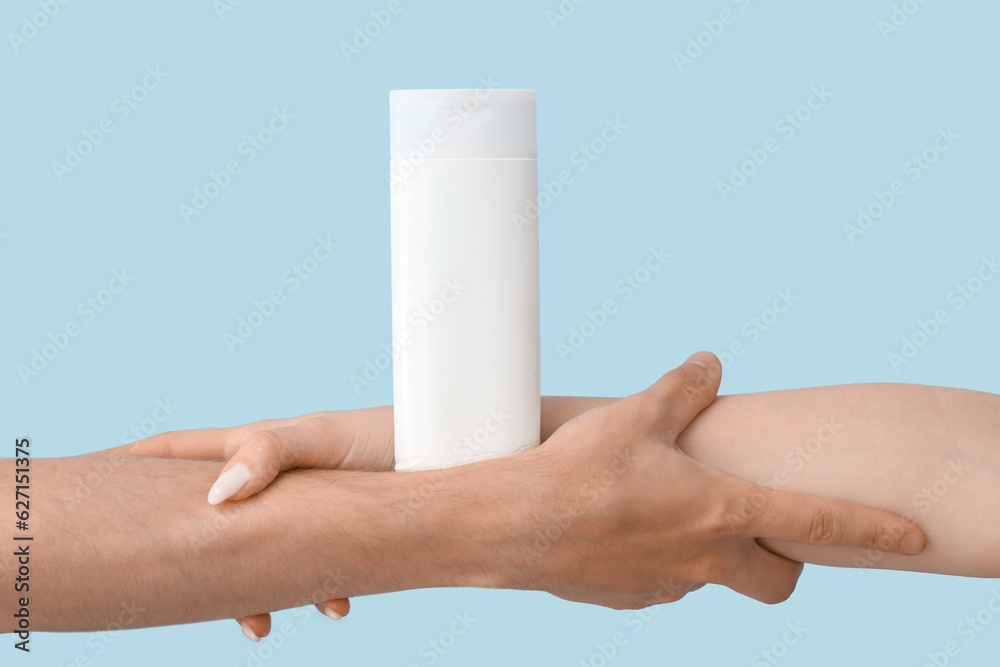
[(890, 79)]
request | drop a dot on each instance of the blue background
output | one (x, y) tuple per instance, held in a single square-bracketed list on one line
[(324, 175)]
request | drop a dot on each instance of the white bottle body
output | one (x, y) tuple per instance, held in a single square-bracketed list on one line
[(465, 309)]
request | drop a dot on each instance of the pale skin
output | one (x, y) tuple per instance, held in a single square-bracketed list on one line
[(715, 517)]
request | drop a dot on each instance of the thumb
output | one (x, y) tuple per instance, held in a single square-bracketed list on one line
[(255, 464), (674, 400)]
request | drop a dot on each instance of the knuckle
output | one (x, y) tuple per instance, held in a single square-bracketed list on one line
[(689, 383), (265, 448), (734, 514), (124, 450), (707, 571), (671, 590), (875, 537), (825, 526), (157, 445), (692, 382), (286, 456), (670, 598), (151, 444), (642, 408), (712, 567), (884, 540), (729, 515)]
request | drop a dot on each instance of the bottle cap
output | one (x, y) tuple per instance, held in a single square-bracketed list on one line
[(462, 123)]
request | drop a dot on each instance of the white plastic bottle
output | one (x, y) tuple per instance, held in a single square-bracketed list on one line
[(465, 313)]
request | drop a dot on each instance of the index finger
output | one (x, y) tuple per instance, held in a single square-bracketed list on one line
[(795, 517)]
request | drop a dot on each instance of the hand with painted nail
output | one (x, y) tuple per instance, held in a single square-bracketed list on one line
[(256, 453)]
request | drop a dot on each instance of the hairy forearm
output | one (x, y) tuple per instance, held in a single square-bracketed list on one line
[(132, 541), (929, 453)]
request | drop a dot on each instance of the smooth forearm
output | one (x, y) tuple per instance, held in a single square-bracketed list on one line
[(143, 538), (930, 453)]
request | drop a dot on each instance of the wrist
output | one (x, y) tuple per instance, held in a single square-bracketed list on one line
[(474, 522), (392, 531), (476, 515), (506, 501)]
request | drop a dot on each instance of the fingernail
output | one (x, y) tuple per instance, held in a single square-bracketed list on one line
[(706, 360), (229, 483), (913, 544), (332, 614), (248, 632)]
